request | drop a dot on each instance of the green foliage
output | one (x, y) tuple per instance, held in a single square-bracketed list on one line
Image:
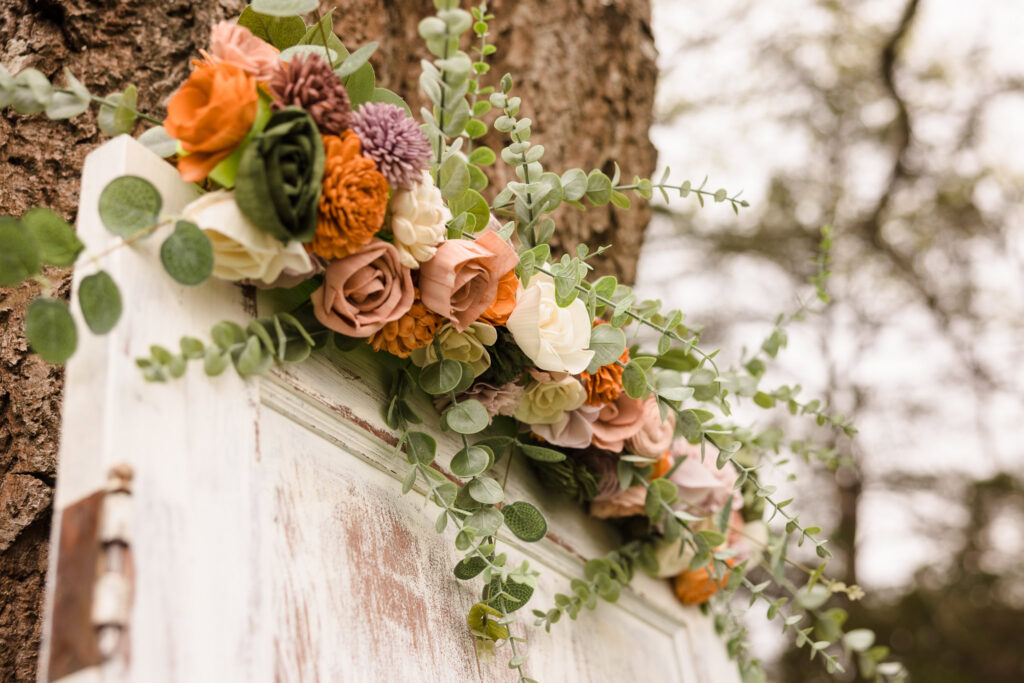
[(525, 521), (284, 8), (129, 204), (58, 243), (159, 142), (20, 256), (100, 301), (471, 461), (50, 330), (280, 31), (507, 596), (466, 417), (187, 254), (117, 114), (70, 101)]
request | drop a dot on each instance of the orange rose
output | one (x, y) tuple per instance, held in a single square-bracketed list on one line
[(695, 587), (210, 115), (505, 303), (353, 202)]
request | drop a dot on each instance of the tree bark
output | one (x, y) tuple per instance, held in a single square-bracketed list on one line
[(585, 70)]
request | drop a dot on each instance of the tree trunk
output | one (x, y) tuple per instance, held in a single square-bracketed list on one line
[(585, 70)]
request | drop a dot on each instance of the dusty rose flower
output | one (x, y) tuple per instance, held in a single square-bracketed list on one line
[(237, 45), (363, 292), (461, 281), (618, 421), (574, 429), (702, 486), (626, 503), (496, 400), (655, 435)]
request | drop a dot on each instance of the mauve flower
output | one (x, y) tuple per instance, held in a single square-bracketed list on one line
[(394, 140), (574, 429), (628, 503), (496, 400), (702, 486), (655, 435), (363, 292), (618, 421), (461, 281), (308, 82), (237, 45)]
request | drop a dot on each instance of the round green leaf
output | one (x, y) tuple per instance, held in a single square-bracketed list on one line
[(58, 243), (469, 567), (441, 377), (100, 301), (129, 204), (519, 591), (19, 252), (525, 521), (634, 380), (485, 490), (467, 417), (187, 254), (471, 461), (486, 521), (284, 8), (607, 343), (541, 454), (50, 330), (421, 447)]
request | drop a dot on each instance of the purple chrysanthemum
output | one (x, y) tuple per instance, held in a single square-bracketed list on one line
[(392, 139)]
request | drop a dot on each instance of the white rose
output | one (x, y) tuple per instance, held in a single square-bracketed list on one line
[(418, 218), (241, 251), (554, 338), (467, 346), (673, 558), (549, 398)]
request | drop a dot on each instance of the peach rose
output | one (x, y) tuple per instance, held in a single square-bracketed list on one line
[(237, 45), (617, 422), (461, 281), (210, 115), (626, 503), (702, 486), (655, 435), (505, 302), (575, 429), (363, 292)]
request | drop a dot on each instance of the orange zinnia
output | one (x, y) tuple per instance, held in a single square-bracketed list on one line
[(353, 201), (412, 331), (505, 302), (605, 385), (210, 115), (663, 465), (694, 587)]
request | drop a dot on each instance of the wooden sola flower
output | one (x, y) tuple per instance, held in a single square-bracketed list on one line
[(414, 330), (353, 200), (308, 81)]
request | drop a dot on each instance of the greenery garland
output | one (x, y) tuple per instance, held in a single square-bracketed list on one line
[(282, 111)]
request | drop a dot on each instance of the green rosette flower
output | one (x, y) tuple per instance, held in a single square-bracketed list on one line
[(279, 176)]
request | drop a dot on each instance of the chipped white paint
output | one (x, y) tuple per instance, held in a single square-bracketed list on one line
[(271, 541)]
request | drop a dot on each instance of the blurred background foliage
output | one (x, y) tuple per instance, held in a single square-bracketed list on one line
[(901, 124)]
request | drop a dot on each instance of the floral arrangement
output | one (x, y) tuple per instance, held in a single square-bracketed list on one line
[(323, 186)]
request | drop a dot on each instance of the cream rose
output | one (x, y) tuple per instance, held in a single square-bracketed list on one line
[(241, 251), (468, 346), (549, 398), (673, 558), (418, 218), (554, 338)]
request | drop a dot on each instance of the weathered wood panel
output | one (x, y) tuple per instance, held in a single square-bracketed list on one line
[(270, 540)]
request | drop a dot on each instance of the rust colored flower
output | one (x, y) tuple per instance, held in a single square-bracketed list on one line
[(605, 385), (210, 115), (505, 302), (695, 587), (413, 330), (353, 201), (663, 465)]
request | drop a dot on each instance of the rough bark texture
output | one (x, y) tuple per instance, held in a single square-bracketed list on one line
[(584, 68)]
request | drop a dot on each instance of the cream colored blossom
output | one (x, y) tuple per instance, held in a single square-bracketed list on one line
[(468, 346), (673, 558), (553, 337), (549, 398), (418, 218), (241, 251)]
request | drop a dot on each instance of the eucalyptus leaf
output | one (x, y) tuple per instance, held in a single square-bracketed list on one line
[(58, 243), (485, 490), (360, 85), (129, 204), (541, 454), (421, 447), (389, 97), (467, 417), (607, 343), (356, 60), (64, 105), (32, 92), (525, 521), (284, 8), (187, 254), (469, 462), (19, 252), (50, 330), (159, 142), (634, 380), (281, 32), (100, 301), (486, 521), (440, 377)]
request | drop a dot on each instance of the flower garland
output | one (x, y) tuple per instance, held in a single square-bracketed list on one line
[(323, 184)]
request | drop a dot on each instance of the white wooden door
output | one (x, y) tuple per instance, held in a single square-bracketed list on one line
[(267, 537)]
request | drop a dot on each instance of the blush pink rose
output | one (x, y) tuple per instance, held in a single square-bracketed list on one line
[(655, 435), (703, 488), (574, 429), (617, 422), (626, 503), (237, 45), (363, 292), (461, 281)]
